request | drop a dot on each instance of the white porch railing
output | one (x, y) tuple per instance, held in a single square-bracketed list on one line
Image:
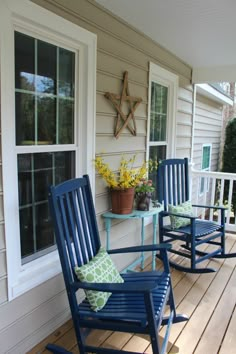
[(208, 188)]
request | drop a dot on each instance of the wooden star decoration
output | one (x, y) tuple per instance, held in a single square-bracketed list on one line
[(124, 121)]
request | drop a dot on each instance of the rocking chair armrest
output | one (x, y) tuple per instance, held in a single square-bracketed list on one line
[(144, 248), (210, 206), (126, 287)]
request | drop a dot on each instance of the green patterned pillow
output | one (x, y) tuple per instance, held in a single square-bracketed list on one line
[(184, 208), (100, 269)]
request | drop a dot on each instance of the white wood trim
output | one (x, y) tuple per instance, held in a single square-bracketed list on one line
[(25, 16), (212, 93), (170, 80)]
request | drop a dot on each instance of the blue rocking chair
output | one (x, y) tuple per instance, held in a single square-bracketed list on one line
[(173, 192), (136, 305)]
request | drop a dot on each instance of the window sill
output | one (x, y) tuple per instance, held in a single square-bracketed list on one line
[(36, 273)]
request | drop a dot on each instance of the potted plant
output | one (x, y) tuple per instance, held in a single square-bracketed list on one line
[(143, 194), (122, 185)]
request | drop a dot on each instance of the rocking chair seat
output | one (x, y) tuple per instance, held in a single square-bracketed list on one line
[(130, 307), (202, 228)]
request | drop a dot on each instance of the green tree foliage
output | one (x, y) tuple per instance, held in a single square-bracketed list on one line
[(229, 159)]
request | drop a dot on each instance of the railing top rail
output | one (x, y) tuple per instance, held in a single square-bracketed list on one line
[(214, 174)]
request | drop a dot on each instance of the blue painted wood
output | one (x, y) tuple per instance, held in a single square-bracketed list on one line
[(173, 188), (135, 306), (56, 349)]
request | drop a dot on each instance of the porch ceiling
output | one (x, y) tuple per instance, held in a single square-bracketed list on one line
[(201, 33)]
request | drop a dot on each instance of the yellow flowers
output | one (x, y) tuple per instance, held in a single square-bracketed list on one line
[(127, 176)]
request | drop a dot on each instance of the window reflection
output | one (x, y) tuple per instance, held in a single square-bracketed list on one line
[(24, 62), (44, 115), (44, 78), (36, 172), (66, 73), (25, 118), (47, 68), (46, 120)]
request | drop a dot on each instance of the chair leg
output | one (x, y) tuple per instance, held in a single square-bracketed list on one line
[(153, 327), (193, 253), (223, 254), (160, 230), (55, 349)]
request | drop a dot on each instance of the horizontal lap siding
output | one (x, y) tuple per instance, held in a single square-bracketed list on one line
[(208, 129), (184, 121), (119, 48)]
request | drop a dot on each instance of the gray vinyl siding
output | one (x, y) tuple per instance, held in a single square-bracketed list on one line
[(184, 120), (207, 130), (29, 318)]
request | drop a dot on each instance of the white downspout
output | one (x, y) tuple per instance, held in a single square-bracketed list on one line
[(193, 120), (191, 164)]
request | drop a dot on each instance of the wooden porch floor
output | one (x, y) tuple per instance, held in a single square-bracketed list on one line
[(208, 299)]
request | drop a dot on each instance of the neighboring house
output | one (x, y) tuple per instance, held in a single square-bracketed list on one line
[(57, 64), (207, 135)]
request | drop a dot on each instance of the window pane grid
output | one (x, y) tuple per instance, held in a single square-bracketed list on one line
[(34, 176), (206, 157), (44, 90), (204, 181), (158, 113), (50, 78)]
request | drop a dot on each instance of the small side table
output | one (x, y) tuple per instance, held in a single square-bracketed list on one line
[(136, 214)]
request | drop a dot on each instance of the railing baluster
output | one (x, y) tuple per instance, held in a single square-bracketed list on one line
[(215, 195), (229, 201), (213, 191)]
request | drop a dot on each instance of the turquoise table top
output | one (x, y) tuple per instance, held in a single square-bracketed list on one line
[(134, 214)]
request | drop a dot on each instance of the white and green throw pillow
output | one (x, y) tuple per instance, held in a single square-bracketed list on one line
[(184, 208), (100, 269)]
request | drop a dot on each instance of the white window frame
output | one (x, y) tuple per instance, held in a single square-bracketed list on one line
[(206, 179), (29, 18), (171, 81)]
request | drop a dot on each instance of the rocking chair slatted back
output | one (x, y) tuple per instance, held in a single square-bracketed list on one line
[(172, 177), (78, 227)]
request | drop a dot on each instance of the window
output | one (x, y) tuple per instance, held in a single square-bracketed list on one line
[(206, 164), (48, 130), (44, 115), (161, 118)]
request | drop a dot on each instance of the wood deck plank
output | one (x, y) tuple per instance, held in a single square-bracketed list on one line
[(191, 299), (209, 301), (117, 340), (137, 343), (52, 338), (229, 343), (214, 333), (194, 328)]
